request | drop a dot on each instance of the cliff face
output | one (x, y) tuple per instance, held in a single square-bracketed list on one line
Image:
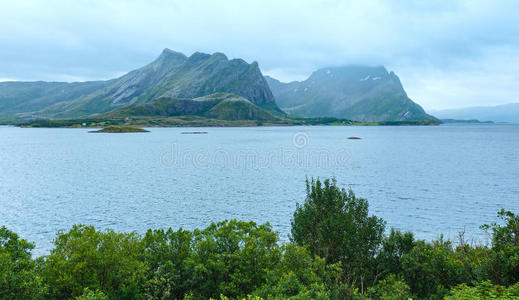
[(172, 74), (204, 74), (358, 93)]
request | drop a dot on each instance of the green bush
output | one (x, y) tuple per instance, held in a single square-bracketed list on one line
[(167, 255), (18, 277), (504, 259), (394, 247), (299, 275), (391, 288), (484, 290), (92, 295), (432, 268), (86, 258), (231, 258), (335, 225)]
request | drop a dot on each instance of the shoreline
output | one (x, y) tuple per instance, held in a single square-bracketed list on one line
[(230, 124)]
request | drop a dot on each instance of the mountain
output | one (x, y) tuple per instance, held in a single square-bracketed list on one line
[(367, 94), (17, 97), (501, 113), (171, 75), (222, 106)]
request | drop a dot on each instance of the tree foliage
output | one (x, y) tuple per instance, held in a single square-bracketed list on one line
[(484, 290), (18, 277), (232, 258), (504, 259), (86, 258), (336, 225), (337, 251)]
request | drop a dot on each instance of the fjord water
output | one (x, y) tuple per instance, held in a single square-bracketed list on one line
[(430, 180)]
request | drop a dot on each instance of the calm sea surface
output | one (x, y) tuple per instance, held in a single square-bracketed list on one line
[(429, 180)]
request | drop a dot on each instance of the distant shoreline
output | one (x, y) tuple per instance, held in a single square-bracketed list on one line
[(193, 121)]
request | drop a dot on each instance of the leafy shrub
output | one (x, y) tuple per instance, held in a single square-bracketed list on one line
[(335, 225), (299, 275), (504, 259), (391, 288), (92, 295), (86, 258), (18, 277), (484, 290), (394, 247), (167, 254), (232, 258), (432, 268)]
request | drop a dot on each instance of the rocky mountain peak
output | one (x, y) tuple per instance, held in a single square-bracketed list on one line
[(168, 55), (168, 59), (361, 93), (219, 56)]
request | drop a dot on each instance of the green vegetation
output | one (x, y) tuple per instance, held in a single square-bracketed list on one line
[(222, 106), (399, 123), (337, 250), (120, 129), (201, 121), (19, 278), (334, 224), (153, 121), (484, 290), (71, 123), (174, 121)]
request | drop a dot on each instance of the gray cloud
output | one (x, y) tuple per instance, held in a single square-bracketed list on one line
[(447, 53)]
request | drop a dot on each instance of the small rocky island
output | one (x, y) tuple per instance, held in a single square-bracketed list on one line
[(119, 129)]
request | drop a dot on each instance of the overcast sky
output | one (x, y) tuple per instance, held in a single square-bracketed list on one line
[(448, 54)]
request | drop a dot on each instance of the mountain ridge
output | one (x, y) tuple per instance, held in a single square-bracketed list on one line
[(361, 93), (171, 74)]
